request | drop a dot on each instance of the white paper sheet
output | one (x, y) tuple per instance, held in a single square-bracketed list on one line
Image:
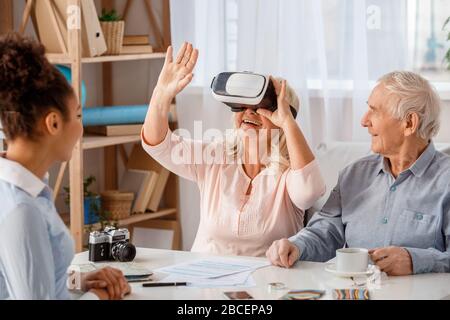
[(211, 268), (242, 279)]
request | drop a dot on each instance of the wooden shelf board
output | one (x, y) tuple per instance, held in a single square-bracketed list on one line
[(94, 141), (56, 58), (146, 216), (136, 218)]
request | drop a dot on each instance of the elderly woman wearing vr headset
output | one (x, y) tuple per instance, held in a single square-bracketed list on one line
[(245, 205)]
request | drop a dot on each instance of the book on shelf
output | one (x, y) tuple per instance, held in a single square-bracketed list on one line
[(51, 19), (136, 49), (141, 183), (140, 160), (135, 40), (158, 192), (115, 130)]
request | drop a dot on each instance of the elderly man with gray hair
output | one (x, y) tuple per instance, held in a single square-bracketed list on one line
[(396, 203)]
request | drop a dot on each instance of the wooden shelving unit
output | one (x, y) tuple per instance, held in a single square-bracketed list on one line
[(137, 218), (164, 218), (6, 21), (93, 142), (62, 59)]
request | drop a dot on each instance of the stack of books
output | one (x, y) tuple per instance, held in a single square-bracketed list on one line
[(146, 178), (136, 44)]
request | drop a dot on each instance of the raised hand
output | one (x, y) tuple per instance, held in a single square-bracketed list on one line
[(174, 77), (176, 74), (283, 114)]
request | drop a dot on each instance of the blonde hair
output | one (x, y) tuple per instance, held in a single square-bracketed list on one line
[(415, 95)]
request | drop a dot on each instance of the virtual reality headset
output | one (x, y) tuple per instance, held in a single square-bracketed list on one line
[(242, 90)]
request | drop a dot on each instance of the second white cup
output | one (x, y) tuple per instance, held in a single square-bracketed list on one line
[(352, 260)]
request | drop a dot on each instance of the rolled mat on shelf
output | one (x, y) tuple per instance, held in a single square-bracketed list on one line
[(100, 116)]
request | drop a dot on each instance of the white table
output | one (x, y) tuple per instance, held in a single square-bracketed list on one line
[(305, 275)]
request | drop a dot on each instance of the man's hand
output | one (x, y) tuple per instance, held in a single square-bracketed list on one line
[(109, 279), (283, 253), (395, 261)]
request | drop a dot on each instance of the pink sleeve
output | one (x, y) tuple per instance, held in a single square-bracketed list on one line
[(305, 186), (176, 154)]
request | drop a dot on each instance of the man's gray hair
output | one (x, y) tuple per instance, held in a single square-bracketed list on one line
[(414, 94)]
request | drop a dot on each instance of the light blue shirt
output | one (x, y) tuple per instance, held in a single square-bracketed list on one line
[(35, 246), (368, 208)]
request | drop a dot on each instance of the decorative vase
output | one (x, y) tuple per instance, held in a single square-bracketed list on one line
[(113, 32), (92, 206)]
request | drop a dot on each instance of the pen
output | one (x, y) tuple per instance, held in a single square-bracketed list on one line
[(164, 284)]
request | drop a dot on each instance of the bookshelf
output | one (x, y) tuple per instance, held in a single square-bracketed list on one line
[(63, 59), (165, 218), (93, 142)]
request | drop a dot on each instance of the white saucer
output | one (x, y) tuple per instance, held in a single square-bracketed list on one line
[(332, 269)]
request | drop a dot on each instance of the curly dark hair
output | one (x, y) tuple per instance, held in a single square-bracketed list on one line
[(30, 86)]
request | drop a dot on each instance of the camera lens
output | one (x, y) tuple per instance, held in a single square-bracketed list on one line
[(123, 251)]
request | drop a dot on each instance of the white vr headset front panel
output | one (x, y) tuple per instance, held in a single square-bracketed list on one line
[(243, 88)]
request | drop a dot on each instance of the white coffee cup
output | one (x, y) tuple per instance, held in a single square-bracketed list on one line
[(352, 259)]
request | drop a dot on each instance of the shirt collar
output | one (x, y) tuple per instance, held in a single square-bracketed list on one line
[(422, 163), (419, 166), (17, 175)]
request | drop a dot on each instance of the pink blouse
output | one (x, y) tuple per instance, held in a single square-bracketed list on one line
[(231, 222)]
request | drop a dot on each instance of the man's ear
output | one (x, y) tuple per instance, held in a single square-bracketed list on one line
[(53, 123), (412, 123)]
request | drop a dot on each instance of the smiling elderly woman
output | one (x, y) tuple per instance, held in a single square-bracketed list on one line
[(245, 205), (395, 203)]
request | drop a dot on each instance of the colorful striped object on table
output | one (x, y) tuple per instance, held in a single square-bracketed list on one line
[(351, 294)]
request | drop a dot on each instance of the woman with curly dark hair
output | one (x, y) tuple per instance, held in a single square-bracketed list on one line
[(41, 121)]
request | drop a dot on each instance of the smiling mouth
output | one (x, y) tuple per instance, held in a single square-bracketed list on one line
[(252, 122)]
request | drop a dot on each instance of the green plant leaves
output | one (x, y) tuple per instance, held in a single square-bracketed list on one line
[(447, 55), (109, 16)]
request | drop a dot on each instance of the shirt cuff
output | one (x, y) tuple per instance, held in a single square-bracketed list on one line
[(311, 167), (300, 246), (306, 185), (422, 260), (158, 148)]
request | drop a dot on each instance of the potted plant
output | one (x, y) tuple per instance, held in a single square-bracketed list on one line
[(113, 28), (93, 212), (447, 55)]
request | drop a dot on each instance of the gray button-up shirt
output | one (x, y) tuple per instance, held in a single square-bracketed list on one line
[(368, 208)]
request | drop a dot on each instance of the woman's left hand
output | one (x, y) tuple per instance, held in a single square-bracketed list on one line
[(283, 115)]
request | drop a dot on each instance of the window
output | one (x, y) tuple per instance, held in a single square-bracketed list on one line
[(231, 27), (427, 42)]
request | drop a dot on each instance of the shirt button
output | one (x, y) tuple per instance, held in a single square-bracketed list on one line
[(419, 216), (385, 220), (393, 189)]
